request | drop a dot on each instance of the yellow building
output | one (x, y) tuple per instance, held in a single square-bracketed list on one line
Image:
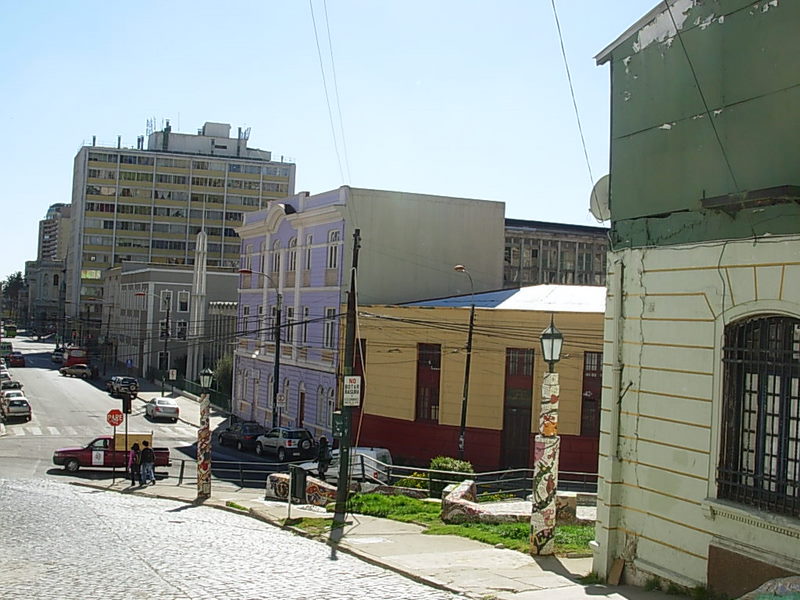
[(414, 367), (147, 205)]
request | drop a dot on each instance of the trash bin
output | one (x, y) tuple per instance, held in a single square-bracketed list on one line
[(297, 476)]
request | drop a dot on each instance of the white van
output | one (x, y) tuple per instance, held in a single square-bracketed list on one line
[(366, 464)]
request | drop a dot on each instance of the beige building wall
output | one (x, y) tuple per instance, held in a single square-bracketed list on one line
[(665, 319)]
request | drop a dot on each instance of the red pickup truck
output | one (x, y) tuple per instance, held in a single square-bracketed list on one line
[(100, 452)]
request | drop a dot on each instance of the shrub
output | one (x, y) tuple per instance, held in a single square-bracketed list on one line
[(415, 480), (439, 481)]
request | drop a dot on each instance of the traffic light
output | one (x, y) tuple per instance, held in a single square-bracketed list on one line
[(126, 403)]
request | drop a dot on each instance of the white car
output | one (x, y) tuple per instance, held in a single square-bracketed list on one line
[(162, 408), (367, 464)]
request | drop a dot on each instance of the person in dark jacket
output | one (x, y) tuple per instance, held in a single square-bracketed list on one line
[(148, 459), (134, 461), (324, 457)]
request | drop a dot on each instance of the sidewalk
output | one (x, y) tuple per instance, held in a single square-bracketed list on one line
[(453, 563)]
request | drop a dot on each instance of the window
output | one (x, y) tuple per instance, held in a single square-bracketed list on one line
[(291, 265), (592, 391), (333, 249), (163, 330), (428, 370), (182, 328), (329, 336), (519, 362), (183, 301), (329, 409), (289, 324), (276, 256), (166, 300), (245, 320), (760, 446), (309, 242), (273, 321), (322, 417)]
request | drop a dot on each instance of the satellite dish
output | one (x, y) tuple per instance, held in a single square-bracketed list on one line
[(598, 200)]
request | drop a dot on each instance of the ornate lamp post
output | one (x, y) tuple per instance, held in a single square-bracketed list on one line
[(465, 395), (545, 476), (204, 438), (276, 371)]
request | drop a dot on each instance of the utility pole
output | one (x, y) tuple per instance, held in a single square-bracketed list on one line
[(343, 486), (277, 365), (165, 362)]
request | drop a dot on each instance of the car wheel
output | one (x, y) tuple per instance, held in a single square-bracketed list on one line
[(175, 420), (259, 449), (85, 376), (281, 455), (305, 444), (72, 465), (239, 446)]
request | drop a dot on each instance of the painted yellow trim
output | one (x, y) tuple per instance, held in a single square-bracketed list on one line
[(654, 491), (755, 282), (730, 286), (665, 419), (714, 267), (674, 472), (681, 397), (661, 345), (662, 543), (658, 443), (666, 370)]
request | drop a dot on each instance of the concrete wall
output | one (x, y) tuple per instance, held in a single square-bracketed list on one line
[(657, 504)]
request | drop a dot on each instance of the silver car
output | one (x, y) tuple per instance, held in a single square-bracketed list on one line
[(16, 408), (162, 408)]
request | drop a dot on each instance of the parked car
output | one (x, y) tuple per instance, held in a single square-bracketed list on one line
[(10, 384), (11, 394), (366, 464), (82, 371), (162, 408), (16, 408), (286, 442), (103, 452), (16, 359), (5, 375), (120, 384), (242, 434), (58, 355)]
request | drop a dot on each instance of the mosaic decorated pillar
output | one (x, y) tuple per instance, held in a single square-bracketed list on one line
[(204, 450), (545, 474)]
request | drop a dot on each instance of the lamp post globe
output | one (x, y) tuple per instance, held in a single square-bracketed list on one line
[(552, 340), (206, 377)]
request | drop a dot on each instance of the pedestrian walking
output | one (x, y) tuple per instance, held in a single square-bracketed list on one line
[(324, 457), (134, 463), (148, 458)]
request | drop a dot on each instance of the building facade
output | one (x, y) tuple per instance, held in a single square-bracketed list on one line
[(700, 430), (54, 233), (45, 295), (146, 316), (220, 331), (538, 252), (413, 358), (302, 249), (147, 205)]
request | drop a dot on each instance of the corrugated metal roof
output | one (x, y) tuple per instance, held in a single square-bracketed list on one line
[(555, 298)]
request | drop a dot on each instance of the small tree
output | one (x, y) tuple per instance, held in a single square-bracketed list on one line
[(223, 373), (439, 481)]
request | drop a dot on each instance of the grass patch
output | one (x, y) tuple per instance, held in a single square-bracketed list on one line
[(233, 504), (314, 526), (591, 578), (516, 536)]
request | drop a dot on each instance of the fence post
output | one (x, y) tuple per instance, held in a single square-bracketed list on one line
[(180, 477)]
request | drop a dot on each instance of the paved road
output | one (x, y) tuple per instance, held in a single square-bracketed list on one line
[(64, 542)]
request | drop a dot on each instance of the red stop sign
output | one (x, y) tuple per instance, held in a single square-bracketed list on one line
[(115, 417)]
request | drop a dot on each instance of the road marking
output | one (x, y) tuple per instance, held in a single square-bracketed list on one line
[(53, 431), (69, 430), (35, 430)]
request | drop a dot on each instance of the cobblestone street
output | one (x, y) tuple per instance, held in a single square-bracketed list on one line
[(64, 542)]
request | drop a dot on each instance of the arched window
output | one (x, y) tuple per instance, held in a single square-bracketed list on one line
[(333, 249), (55, 280), (760, 444), (291, 264), (329, 410), (321, 419), (276, 256)]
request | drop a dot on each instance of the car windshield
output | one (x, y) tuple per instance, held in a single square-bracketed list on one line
[(166, 402), (18, 403)]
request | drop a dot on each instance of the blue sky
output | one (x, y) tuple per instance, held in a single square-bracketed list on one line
[(450, 97)]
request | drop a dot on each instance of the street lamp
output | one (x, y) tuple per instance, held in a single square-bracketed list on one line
[(204, 438), (552, 341), (165, 364), (465, 394), (547, 447), (277, 332)]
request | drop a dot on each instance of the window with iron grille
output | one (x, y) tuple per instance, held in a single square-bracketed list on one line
[(760, 451), (429, 358)]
